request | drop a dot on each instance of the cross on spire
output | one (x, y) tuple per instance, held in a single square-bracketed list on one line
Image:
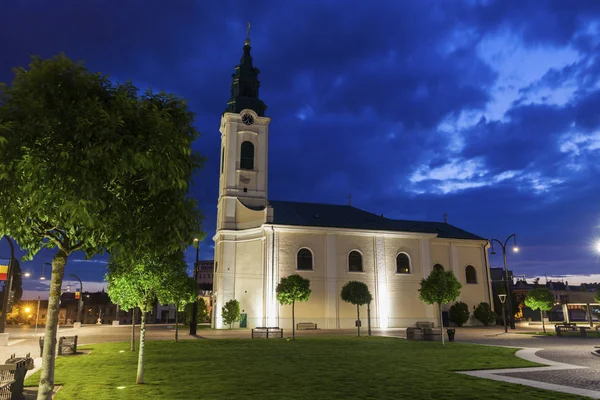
[(445, 217), (349, 199)]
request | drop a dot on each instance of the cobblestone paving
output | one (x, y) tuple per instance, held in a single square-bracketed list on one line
[(588, 378)]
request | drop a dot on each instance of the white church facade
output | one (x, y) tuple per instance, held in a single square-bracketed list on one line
[(258, 241)]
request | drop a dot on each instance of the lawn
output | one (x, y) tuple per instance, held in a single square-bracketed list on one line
[(317, 368)]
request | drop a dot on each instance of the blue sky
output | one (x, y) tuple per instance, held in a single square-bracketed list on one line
[(485, 110)]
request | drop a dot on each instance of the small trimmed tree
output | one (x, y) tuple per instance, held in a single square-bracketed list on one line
[(183, 291), (484, 314), (358, 294), (540, 299), (230, 312), (459, 313), (291, 289), (439, 288)]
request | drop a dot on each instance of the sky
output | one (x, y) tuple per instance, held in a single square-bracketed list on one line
[(485, 110)]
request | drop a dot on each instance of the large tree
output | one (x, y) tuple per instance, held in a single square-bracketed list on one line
[(140, 283), (439, 288), (541, 299), (88, 165), (291, 289), (358, 294)]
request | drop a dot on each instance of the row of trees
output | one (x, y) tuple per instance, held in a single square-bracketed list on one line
[(93, 166)]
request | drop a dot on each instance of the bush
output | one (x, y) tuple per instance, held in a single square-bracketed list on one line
[(484, 314), (459, 313)]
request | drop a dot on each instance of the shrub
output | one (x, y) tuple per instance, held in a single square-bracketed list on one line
[(484, 314), (459, 313)]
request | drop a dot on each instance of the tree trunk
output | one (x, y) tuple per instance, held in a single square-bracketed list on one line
[(176, 322), (441, 324), (132, 329), (369, 317), (293, 321), (46, 386), (543, 324), (358, 319), (140, 370)]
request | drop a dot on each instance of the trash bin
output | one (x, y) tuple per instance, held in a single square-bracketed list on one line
[(451, 332), (243, 320), (23, 365)]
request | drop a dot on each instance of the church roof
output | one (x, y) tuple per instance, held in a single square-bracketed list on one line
[(343, 216)]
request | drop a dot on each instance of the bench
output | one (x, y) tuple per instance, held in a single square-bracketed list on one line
[(306, 325), (559, 328), (267, 332), (424, 325), (66, 345), (583, 330), (432, 334)]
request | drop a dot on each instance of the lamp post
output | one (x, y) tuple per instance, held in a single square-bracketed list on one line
[(502, 298), (515, 249), (80, 302), (7, 285), (193, 321)]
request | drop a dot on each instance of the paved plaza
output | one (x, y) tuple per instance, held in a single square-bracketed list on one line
[(573, 368)]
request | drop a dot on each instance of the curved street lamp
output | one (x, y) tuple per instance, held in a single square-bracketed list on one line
[(511, 318)]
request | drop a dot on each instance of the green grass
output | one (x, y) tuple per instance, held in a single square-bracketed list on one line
[(317, 368)]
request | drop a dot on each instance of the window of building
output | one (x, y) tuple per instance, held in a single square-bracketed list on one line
[(471, 274), (305, 260), (247, 155), (355, 261), (438, 267), (222, 159), (402, 264)]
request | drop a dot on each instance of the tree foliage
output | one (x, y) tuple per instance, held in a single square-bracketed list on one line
[(439, 288), (291, 289), (484, 314), (88, 165), (597, 296), (202, 314), (356, 293), (459, 313), (541, 299), (230, 312)]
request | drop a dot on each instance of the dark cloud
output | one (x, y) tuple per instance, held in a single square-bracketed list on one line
[(356, 94)]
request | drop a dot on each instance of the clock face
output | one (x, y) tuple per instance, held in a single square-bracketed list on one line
[(247, 119)]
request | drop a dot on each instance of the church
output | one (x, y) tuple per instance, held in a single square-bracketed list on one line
[(258, 241)]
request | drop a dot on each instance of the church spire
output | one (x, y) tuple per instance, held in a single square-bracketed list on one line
[(245, 85)]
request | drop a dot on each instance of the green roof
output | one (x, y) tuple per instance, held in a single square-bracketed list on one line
[(343, 216)]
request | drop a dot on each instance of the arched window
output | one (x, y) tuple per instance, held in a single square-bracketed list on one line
[(471, 274), (247, 156), (355, 261), (222, 159), (438, 267), (305, 260), (402, 264)]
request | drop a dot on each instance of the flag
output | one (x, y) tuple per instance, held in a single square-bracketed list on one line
[(3, 272), (77, 294)]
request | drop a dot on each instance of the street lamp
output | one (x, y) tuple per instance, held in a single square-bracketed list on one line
[(7, 285), (193, 321), (502, 298), (515, 249), (80, 302)]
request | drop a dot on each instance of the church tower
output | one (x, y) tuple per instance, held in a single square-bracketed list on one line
[(244, 145)]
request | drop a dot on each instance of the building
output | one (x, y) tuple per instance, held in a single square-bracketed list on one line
[(258, 241), (205, 276)]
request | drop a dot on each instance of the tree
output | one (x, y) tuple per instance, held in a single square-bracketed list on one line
[(484, 314), (201, 311), (358, 294), (540, 299), (91, 166), (439, 288), (183, 290), (230, 312), (291, 289), (140, 284), (597, 296), (459, 313)]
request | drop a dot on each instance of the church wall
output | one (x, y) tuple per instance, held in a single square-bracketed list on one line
[(246, 218), (249, 280), (472, 294)]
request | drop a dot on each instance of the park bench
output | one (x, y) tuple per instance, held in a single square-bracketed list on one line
[(306, 325), (12, 376), (432, 334), (267, 332), (424, 325), (583, 330), (66, 345), (559, 328)]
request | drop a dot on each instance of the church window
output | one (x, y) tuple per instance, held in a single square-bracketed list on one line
[(247, 156), (438, 267), (305, 260), (471, 274), (222, 159), (402, 264), (355, 261)]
